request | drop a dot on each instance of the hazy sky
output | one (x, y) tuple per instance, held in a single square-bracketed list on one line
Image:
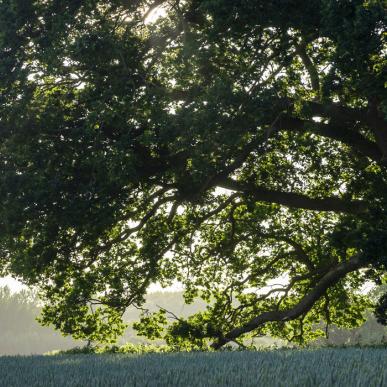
[(16, 286), (13, 284)]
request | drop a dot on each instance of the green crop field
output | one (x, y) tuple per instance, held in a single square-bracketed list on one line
[(321, 367)]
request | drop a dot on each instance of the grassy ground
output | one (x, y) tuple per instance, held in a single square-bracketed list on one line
[(322, 367)]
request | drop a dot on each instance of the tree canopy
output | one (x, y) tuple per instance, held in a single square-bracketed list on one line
[(237, 147)]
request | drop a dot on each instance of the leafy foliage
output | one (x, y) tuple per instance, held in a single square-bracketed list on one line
[(225, 146), (381, 310)]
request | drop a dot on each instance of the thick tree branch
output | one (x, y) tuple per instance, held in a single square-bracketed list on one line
[(378, 124), (337, 112), (305, 304), (298, 249), (349, 137), (309, 65), (342, 115), (295, 200)]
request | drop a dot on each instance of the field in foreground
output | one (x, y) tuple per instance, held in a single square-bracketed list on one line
[(321, 367)]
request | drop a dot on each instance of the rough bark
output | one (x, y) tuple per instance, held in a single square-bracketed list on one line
[(295, 200), (309, 65), (333, 131)]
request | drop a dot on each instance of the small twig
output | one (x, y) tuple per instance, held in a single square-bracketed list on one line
[(170, 313)]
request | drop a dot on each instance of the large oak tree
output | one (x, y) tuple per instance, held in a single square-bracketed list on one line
[(237, 147)]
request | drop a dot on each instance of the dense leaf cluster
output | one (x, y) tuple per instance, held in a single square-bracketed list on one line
[(236, 147)]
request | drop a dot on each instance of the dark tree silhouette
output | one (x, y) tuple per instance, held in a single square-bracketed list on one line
[(228, 144)]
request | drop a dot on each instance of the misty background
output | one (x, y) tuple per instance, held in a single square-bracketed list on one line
[(20, 333)]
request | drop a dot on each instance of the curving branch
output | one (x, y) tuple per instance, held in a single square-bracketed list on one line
[(295, 200), (305, 304), (302, 256), (128, 232), (309, 65), (338, 112), (333, 131), (342, 115)]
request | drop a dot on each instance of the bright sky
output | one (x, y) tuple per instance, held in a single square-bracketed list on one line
[(155, 14), (14, 285)]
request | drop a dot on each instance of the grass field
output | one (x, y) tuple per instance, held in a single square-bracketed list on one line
[(321, 367)]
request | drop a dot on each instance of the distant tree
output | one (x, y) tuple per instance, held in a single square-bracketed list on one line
[(369, 333), (224, 146), (380, 296), (20, 334)]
